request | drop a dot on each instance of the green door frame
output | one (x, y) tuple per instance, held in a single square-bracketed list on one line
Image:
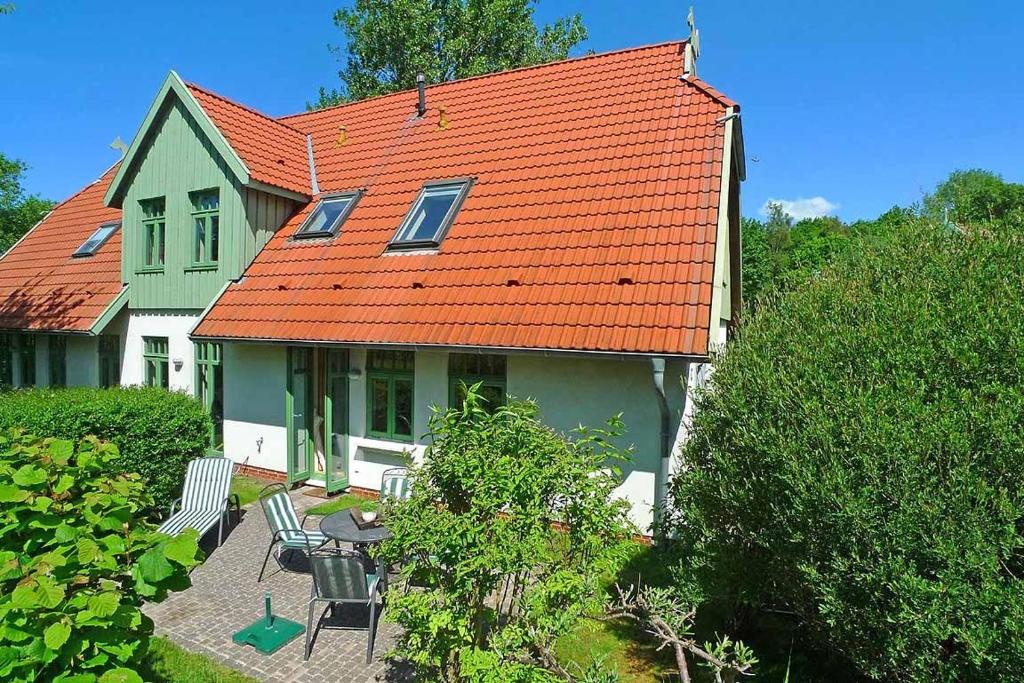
[(296, 475), (335, 369)]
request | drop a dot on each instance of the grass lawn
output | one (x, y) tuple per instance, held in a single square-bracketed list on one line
[(247, 488), (168, 663), (342, 502)]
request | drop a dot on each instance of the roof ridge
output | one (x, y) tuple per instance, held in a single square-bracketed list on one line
[(592, 55), (246, 107)]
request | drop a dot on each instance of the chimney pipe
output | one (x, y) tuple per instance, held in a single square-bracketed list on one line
[(421, 86)]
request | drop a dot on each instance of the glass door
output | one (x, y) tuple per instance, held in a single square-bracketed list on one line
[(336, 422), (299, 412)]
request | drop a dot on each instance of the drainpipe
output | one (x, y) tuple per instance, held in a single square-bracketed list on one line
[(661, 486)]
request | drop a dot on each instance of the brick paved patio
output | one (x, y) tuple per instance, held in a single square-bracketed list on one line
[(225, 597)]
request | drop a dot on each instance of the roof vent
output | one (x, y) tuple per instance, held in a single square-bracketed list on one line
[(336, 285), (417, 285), (512, 282), (282, 287), (625, 280), (421, 87)]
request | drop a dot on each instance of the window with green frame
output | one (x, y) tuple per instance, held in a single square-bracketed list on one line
[(6, 361), (154, 233), (205, 227), (58, 350), (27, 360), (210, 388), (467, 369), (154, 358), (389, 394), (110, 360)]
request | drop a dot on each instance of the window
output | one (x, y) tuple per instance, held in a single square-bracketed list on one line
[(110, 360), (327, 217), (154, 358), (6, 364), (58, 348), (431, 215), (389, 396), (97, 240), (154, 233), (467, 369), (27, 360), (210, 389), (205, 227)]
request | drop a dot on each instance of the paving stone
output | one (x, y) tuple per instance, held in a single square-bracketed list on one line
[(224, 598)]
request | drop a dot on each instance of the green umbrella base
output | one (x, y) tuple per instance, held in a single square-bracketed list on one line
[(270, 633)]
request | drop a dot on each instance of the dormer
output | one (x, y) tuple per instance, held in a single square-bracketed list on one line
[(204, 185)]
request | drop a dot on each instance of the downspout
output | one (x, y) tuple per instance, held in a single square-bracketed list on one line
[(661, 486)]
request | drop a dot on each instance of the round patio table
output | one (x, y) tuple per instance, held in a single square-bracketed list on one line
[(339, 526)]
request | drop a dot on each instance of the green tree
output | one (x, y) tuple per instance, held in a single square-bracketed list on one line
[(973, 196), (18, 211), (500, 583), (389, 41), (856, 461)]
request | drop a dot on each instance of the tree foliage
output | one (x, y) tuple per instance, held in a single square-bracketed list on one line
[(77, 561), (499, 584), (973, 196), (18, 211), (388, 43), (857, 461)]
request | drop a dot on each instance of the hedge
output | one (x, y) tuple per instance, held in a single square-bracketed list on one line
[(859, 458), (157, 432)]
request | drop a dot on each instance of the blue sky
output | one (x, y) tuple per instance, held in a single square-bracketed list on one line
[(856, 105)]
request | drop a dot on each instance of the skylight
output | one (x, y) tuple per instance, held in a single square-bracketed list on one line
[(327, 217), (431, 215), (102, 234)]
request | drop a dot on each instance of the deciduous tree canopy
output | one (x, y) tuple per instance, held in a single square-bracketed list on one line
[(18, 211)]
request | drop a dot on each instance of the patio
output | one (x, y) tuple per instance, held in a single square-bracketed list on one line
[(224, 597)]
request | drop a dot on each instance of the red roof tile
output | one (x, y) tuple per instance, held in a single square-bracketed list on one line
[(43, 287), (586, 171), (274, 152)]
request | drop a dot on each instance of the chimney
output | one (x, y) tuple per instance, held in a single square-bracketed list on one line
[(421, 86)]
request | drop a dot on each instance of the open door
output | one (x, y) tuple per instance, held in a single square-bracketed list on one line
[(299, 413), (335, 424)]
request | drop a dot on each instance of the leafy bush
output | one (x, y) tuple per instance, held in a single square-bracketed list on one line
[(858, 460), (477, 533), (77, 560), (156, 432)]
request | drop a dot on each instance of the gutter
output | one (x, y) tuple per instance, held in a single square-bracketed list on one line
[(665, 441)]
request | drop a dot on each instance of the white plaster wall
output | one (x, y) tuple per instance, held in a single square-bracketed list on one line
[(570, 391), (255, 432), (173, 325)]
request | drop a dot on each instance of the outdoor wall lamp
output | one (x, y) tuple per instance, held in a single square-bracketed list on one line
[(177, 364)]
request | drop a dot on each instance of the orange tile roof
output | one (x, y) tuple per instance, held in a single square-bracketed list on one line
[(274, 152), (591, 224), (42, 287)]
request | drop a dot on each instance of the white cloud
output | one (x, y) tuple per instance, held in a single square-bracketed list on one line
[(813, 207)]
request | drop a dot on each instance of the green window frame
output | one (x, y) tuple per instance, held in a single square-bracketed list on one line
[(467, 369), (390, 394), (58, 352), (109, 360), (6, 360), (27, 360), (205, 227), (154, 233), (155, 362), (209, 388)]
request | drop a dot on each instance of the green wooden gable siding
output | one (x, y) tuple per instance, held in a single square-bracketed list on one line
[(178, 159)]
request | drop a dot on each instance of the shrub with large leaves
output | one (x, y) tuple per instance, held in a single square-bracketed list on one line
[(77, 561)]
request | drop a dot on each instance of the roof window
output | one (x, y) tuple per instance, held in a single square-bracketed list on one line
[(97, 239), (431, 216), (327, 217)]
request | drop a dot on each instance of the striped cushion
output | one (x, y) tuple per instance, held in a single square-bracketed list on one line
[(282, 518), (316, 539), (207, 484), (394, 486), (200, 520)]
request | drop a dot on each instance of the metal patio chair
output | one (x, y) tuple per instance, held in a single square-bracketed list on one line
[(205, 499), (340, 577), (394, 484), (286, 529)]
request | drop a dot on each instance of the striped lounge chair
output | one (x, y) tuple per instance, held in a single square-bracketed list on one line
[(205, 499), (285, 527), (394, 483)]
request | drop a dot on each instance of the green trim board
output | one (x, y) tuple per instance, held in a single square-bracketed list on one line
[(172, 86), (390, 394), (112, 309)]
